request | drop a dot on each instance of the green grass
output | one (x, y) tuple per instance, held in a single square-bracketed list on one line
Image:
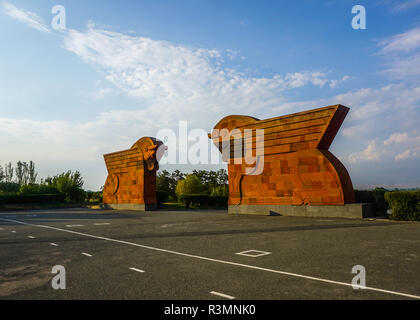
[(40, 206), (168, 206)]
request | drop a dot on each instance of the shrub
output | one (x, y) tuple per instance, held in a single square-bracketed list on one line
[(193, 199), (30, 198), (219, 201), (405, 205), (202, 200), (161, 197), (376, 197), (9, 188), (37, 189), (70, 184), (97, 196), (220, 191)]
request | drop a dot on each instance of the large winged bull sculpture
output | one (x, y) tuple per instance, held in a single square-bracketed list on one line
[(292, 163)]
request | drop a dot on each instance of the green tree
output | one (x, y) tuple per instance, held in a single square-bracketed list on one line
[(220, 191), (70, 184), (207, 178), (222, 177), (32, 174), (8, 173), (20, 172), (2, 175), (165, 182), (176, 176), (190, 185)]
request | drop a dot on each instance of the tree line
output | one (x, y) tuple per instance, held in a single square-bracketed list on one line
[(22, 180), (25, 173), (197, 182)]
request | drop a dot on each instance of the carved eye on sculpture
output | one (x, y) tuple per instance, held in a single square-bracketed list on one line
[(150, 164)]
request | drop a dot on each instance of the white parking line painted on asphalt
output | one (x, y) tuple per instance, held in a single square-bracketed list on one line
[(101, 224), (86, 254), (222, 295), (138, 270), (253, 253), (74, 225), (13, 231), (31, 237), (291, 274), (54, 244)]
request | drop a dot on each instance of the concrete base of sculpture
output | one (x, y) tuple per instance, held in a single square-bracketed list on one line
[(352, 210), (129, 206)]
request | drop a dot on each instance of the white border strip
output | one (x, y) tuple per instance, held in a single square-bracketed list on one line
[(219, 261), (222, 295)]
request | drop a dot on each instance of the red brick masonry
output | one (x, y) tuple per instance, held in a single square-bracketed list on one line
[(132, 174), (298, 168)]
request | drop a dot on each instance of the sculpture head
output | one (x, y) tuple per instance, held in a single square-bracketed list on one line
[(227, 130), (152, 150)]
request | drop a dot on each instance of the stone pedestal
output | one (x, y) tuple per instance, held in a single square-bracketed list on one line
[(130, 206), (352, 210)]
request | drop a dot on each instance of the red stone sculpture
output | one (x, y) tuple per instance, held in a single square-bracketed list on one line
[(298, 168), (131, 181)]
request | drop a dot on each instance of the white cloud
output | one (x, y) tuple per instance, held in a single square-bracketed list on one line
[(404, 67), (29, 18), (334, 83), (403, 42), (397, 138), (404, 145), (145, 68), (371, 153), (402, 54), (405, 155), (355, 131), (178, 82), (298, 79), (405, 5)]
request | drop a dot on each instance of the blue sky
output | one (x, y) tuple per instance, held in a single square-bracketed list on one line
[(124, 69)]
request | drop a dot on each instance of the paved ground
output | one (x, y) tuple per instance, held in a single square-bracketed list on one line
[(193, 255)]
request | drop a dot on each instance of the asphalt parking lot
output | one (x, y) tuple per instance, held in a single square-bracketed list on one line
[(204, 254)]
